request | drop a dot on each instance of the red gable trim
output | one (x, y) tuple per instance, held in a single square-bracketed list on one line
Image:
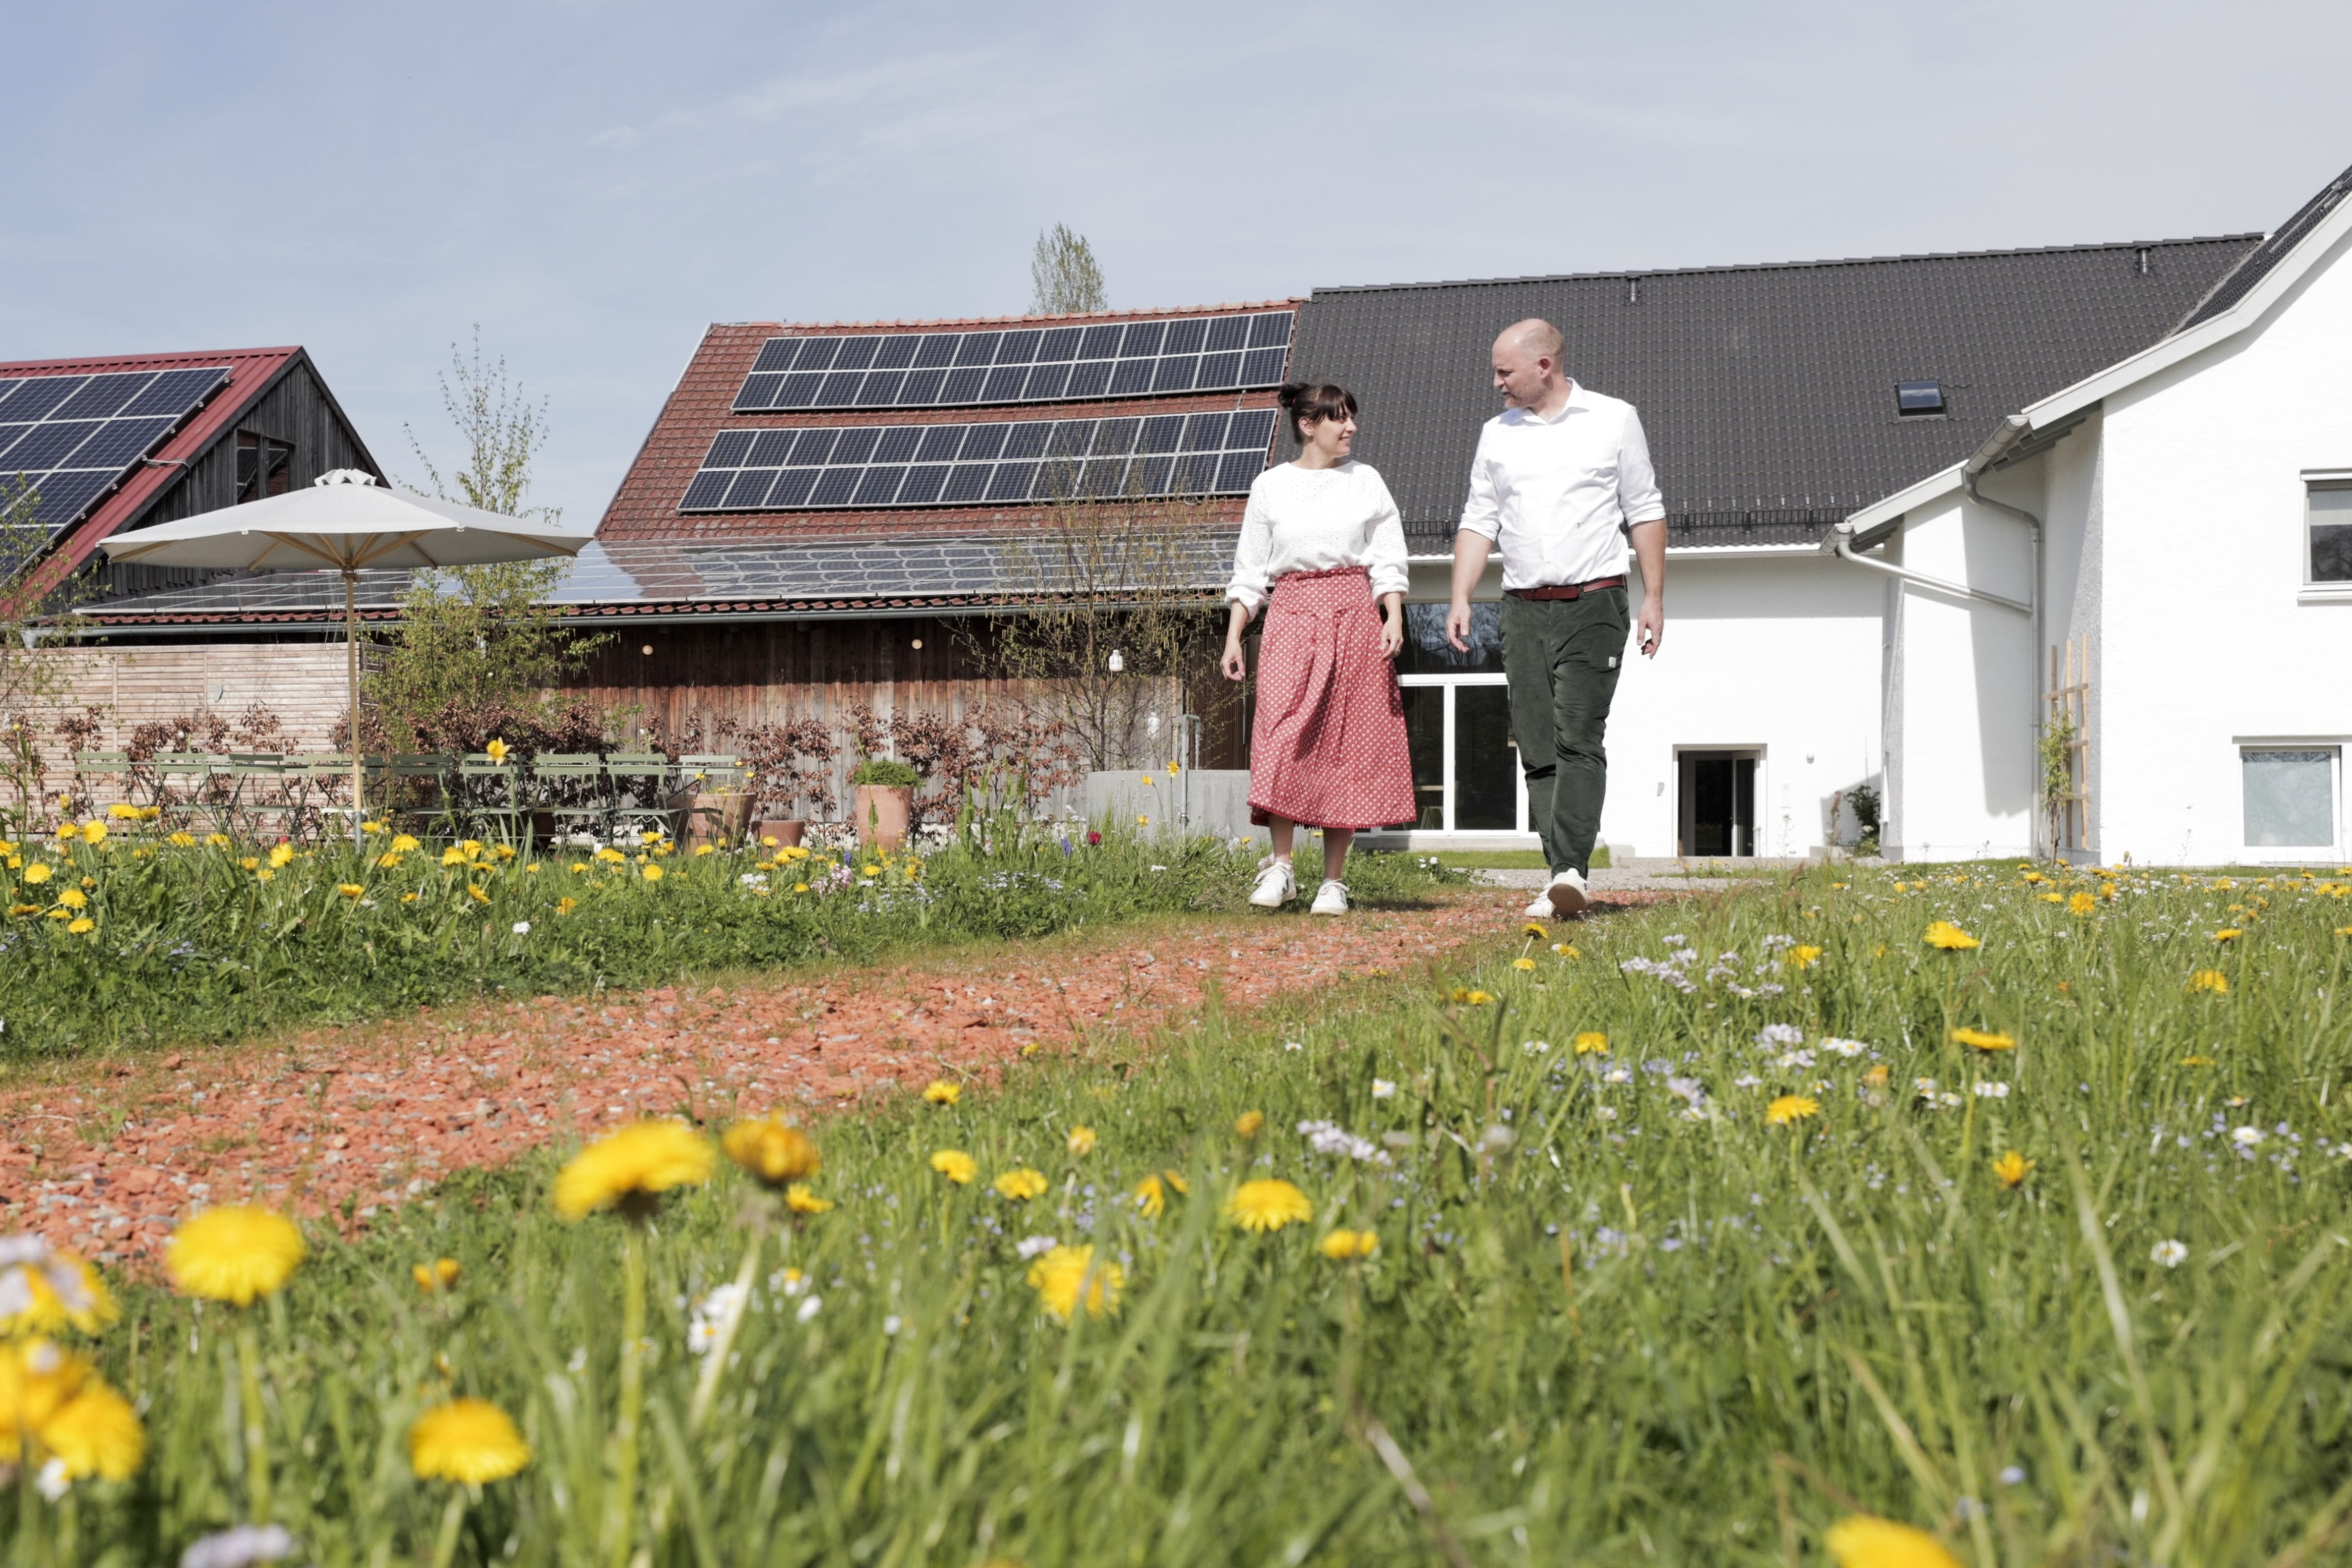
[(251, 373)]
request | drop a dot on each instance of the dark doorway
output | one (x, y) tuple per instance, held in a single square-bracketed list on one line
[(1719, 802)]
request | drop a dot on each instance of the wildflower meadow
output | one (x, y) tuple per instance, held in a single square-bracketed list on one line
[(1988, 1215)]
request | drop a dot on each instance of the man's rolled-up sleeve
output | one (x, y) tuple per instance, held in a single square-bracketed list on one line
[(1637, 480), (1483, 513)]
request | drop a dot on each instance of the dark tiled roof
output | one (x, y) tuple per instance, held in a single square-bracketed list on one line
[(2258, 263), (1768, 393)]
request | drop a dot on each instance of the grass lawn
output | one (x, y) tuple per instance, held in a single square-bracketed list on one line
[(118, 937), (1509, 859), (1739, 1216)]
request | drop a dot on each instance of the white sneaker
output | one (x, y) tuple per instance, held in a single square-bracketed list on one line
[(1564, 896), (1330, 898), (1277, 884)]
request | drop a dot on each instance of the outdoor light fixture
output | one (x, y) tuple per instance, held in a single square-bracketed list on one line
[(918, 643), (1118, 662), (647, 650)]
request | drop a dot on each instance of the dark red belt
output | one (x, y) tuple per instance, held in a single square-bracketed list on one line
[(1566, 590)]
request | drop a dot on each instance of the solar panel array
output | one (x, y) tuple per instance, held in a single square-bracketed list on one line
[(1026, 364), (1006, 461), (69, 438)]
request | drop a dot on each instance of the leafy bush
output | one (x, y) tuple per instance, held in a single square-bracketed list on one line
[(885, 770)]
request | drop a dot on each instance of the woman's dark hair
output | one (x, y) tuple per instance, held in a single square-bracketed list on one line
[(1303, 401)]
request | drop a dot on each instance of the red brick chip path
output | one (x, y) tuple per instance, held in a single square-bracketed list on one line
[(106, 1157)]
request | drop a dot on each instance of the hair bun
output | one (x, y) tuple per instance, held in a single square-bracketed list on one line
[(1292, 395)]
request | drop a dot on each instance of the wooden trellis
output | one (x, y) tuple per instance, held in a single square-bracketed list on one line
[(2070, 709)]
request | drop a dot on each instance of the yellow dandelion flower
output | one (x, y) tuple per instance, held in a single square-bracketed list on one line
[(1591, 1043), (38, 1379), (1523, 963), (2212, 980), (2228, 933), (566, 906), (2197, 1061), (122, 811), (496, 751), (350, 890), (956, 1165), (1876, 1077), (390, 859), (1804, 957), (53, 1291), (611, 856), (1268, 1204), (402, 844), (74, 899), (95, 1433), (1479, 998), (651, 873), (1020, 1185), (237, 1253), (940, 1091), (476, 893), (1791, 1107), (282, 855), (1068, 1277), (1247, 1124), (2080, 904), (93, 833), (801, 1199), (1949, 938), (2011, 1169), (1149, 1197), (1985, 1039), (453, 856), (1081, 1142), (1567, 950), (68, 832), (631, 1168), (436, 1276), (36, 873), (771, 1152), (182, 840), (1864, 1540), (1532, 929), (467, 1440), (81, 927), (1343, 1244), (217, 840)]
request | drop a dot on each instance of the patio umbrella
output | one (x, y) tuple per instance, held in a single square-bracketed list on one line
[(346, 521)]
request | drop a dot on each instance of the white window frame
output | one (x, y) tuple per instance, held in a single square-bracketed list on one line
[(2294, 854), (1519, 772), (2312, 590)]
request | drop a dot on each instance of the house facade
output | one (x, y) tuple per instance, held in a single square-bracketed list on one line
[(2178, 523)]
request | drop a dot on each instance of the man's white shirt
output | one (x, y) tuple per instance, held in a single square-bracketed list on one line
[(1558, 494)]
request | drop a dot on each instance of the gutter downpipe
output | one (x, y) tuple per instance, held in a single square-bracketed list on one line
[(1839, 542), (2013, 429)]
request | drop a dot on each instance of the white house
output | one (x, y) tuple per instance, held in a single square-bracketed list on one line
[(2182, 519)]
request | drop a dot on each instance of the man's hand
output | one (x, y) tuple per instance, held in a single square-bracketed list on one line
[(1470, 552), (1649, 537), (1650, 627)]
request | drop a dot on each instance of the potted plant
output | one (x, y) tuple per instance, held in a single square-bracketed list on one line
[(884, 801), (792, 766)]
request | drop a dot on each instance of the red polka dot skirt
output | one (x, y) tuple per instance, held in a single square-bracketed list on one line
[(1328, 747)]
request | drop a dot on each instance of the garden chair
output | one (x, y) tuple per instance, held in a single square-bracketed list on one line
[(89, 767), (185, 790), (404, 768), (256, 792), (316, 782), (489, 793), (710, 773), (574, 790), (641, 791)]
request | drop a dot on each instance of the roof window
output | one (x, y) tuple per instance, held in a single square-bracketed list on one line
[(1917, 399)]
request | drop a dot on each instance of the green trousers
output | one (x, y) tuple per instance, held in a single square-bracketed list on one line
[(1563, 658)]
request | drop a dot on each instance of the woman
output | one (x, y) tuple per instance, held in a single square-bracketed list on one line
[(1328, 747)]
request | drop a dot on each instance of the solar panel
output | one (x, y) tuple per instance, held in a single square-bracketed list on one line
[(1029, 364), (69, 438), (1004, 461)]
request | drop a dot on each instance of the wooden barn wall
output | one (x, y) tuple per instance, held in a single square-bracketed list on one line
[(304, 686), (297, 410), (776, 671)]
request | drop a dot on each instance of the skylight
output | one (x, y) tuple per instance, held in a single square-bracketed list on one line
[(1914, 399)]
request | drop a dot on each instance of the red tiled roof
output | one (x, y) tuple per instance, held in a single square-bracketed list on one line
[(662, 609), (703, 403), (251, 373)]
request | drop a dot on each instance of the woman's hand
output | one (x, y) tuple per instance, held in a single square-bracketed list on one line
[(1392, 626), (1234, 666)]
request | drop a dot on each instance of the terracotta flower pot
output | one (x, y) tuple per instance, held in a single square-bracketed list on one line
[(788, 832), (881, 812), (715, 817)]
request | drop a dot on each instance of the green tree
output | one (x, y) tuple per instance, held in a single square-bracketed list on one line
[(1063, 278), (478, 640)]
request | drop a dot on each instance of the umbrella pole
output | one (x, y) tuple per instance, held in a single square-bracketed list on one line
[(351, 672)]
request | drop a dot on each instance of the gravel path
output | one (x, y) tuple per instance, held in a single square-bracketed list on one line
[(105, 1158)]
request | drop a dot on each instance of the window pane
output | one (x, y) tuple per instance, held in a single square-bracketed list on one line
[(1486, 792), (1426, 651), (2331, 535), (1425, 740), (2289, 799)]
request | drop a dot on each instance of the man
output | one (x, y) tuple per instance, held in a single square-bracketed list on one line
[(1561, 482)]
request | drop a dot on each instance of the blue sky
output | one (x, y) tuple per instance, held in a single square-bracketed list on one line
[(592, 183)]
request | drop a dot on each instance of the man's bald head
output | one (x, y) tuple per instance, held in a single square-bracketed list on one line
[(1527, 366)]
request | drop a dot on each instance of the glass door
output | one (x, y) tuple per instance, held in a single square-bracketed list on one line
[(1466, 765)]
